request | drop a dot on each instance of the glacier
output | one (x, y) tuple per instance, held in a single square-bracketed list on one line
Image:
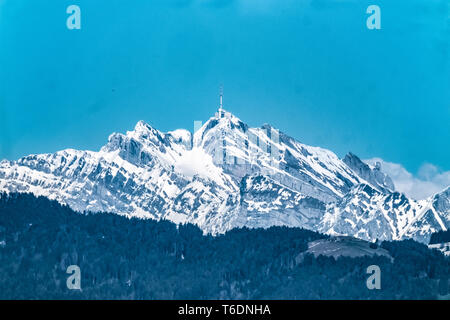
[(228, 175)]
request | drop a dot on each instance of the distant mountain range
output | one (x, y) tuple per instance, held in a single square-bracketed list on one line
[(228, 175)]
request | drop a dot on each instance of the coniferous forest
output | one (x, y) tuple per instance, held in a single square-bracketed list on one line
[(440, 237), (123, 258)]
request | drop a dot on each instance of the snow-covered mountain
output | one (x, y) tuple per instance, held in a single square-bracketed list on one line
[(229, 175), (369, 214)]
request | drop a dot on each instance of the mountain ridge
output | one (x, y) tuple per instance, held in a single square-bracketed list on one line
[(228, 175)]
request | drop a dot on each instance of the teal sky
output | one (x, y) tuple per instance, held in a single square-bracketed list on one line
[(308, 67)]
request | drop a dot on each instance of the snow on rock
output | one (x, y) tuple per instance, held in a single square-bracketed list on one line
[(229, 175)]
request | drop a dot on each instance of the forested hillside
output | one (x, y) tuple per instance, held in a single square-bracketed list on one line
[(440, 237), (123, 258)]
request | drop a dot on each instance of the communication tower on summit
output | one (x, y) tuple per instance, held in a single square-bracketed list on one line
[(221, 99), (221, 113)]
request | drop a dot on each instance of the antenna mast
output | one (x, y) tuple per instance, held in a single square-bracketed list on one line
[(221, 98)]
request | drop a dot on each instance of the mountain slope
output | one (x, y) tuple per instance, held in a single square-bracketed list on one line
[(369, 214), (228, 175)]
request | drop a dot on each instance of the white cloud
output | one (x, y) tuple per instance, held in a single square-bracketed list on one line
[(428, 180)]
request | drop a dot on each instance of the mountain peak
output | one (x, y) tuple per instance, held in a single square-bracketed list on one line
[(143, 127), (225, 115), (196, 178), (373, 175), (145, 132)]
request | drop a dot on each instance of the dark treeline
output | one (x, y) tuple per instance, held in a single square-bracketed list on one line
[(124, 258), (440, 237)]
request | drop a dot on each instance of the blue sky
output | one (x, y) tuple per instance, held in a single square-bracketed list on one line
[(308, 67)]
